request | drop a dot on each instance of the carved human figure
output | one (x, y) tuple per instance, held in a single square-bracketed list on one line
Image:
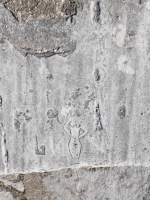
[(76, 131)]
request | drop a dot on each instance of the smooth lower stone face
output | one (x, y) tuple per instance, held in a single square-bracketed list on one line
[(75, 91)]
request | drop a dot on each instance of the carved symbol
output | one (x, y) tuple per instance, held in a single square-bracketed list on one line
[(42, 148), (0, 100), (75, 132), (97, 75), (98, 116), (53, 113)]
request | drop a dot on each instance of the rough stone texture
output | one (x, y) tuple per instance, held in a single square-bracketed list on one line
[(13, 180), (27, 10), (116, 183)]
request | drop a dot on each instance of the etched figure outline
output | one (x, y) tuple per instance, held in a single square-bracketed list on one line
[(76, 131)]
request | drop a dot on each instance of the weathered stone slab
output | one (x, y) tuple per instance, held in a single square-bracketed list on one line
[(88, 104)]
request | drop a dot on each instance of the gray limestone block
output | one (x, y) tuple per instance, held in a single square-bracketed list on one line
[(74, 90)]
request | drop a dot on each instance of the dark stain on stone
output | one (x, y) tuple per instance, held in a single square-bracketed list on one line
[(96, 75), (49, 77), (97, 12), (0, 100), (141, 2)]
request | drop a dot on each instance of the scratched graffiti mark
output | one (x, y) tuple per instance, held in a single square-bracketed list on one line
[(98, 118), (38, 151)]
